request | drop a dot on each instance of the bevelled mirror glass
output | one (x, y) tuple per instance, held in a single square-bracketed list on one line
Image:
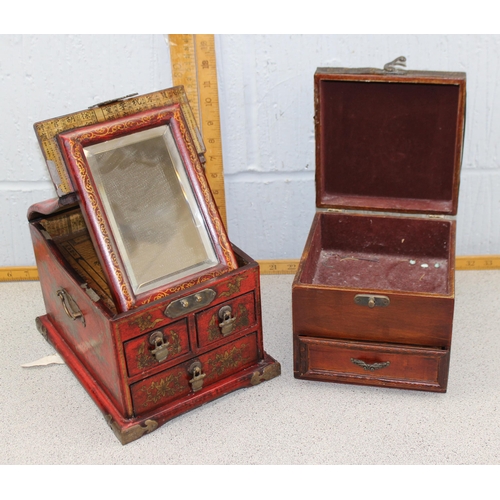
[(147, 204), (150, 206)]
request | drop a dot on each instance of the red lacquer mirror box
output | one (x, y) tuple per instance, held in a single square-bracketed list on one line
[(373, 297), (147, 301)]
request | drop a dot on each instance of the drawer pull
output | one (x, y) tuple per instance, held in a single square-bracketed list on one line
[(198, 376), (228, 320), (372, 300), (70, 306), (370, 367), (160, 352)]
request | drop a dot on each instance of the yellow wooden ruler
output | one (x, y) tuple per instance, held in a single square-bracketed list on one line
[(462, 263), (18, 273), (193, 65), (477, 262), (282, 266), (279, 266)]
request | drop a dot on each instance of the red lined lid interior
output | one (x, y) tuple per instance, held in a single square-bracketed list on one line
[(388, 145)]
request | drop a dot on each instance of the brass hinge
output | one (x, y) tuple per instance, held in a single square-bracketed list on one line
[(112, 101)]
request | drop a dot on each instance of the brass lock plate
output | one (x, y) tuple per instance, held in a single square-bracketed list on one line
[(228, 321), (190, 303), (197, 372), (160, 343), (372, 300)]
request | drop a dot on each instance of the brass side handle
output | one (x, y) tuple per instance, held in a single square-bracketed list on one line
[(228, 321), (370, 367), (160, 343), (70, 306)]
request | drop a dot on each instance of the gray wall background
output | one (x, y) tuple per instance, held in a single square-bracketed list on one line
[(266, 100)]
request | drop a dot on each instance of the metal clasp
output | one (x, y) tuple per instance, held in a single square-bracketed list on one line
[(391, 67), (372, 300), (198, 376), (228, 320), (160, 352)]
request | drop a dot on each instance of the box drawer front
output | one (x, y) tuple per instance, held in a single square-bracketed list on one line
[(371, 364), (195, 375), (408, 319), (157, 347), (226, 319)]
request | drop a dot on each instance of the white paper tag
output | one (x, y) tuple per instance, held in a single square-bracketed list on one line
[(53, 359)]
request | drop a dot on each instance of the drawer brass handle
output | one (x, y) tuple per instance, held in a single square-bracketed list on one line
[(160, 352), (70, 306), (228, 320), (370, 367), (198, 376)]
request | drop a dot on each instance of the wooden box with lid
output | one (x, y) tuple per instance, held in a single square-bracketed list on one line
[(147, 301), (373, 297)]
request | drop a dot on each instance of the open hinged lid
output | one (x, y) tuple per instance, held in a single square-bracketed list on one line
[(140, 184), (389, 140), (47, 131)]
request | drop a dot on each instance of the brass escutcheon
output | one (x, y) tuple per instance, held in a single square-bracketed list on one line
[(198, 376), (190, 303), (228, 320), (372, 300), (160, 352)]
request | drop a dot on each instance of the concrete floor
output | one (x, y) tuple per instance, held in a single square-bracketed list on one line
[(48, 418)]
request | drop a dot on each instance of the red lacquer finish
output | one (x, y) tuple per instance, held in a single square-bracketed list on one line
[(140, 351), (148, 357), (112, 357), (175, 383), (229, 320)]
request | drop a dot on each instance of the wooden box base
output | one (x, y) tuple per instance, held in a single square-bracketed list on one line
[(130, 429), (407, 262)]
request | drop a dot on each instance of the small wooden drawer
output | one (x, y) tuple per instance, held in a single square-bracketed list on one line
[(226, 319), (195, 375), (156, 347), (385, 365)]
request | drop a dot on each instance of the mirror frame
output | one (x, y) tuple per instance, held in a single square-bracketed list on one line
[(72, 144)]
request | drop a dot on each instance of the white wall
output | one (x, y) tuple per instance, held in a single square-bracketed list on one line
[(266, 96)]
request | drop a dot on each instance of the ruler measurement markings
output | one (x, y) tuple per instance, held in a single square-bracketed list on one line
[(183, 66), (478, 263), (193, 63), (210, 117), (285, 266), (19, 273), (278, 266)]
